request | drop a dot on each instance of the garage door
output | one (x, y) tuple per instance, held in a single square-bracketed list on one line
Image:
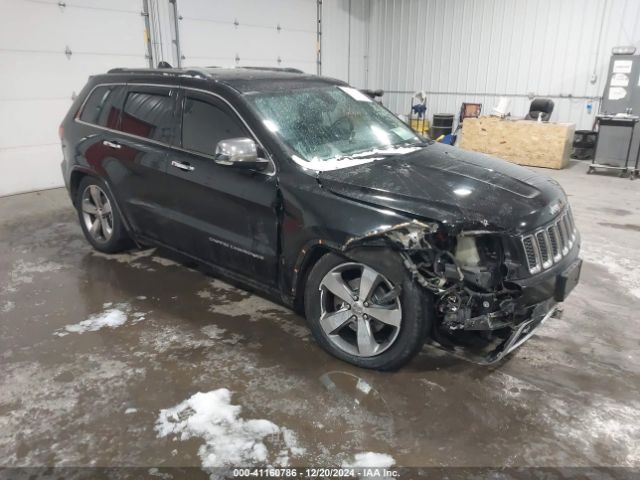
[(278, 33), (38, 79)]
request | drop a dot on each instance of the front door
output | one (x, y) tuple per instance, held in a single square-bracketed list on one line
[(221, 214)]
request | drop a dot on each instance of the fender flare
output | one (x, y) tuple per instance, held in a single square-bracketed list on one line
[(88, 172)]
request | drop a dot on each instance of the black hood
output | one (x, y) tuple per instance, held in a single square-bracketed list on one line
[(460, 188)]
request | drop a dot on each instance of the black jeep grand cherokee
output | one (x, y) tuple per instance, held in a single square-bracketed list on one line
[(304, 188)]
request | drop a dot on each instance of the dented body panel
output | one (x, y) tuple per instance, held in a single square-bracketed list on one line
[(465, 190)]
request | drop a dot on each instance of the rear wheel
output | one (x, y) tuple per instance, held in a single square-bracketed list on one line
[(99, 218), (358, 314)]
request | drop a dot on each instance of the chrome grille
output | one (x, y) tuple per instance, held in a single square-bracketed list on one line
[(550, 244)]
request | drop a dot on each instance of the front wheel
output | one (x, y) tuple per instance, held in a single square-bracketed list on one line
[(358, 314)]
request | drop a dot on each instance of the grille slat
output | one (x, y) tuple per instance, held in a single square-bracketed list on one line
[(572, 224), (549, 245), (555, 246), (564, 235), (544, 247), (530, 252), (567, 226)]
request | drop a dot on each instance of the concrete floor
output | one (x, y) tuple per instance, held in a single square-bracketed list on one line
[(73, 393)]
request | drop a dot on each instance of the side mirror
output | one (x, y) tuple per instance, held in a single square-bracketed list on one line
[(239, 153)]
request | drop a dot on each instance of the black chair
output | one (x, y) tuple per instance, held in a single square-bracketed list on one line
[(539, 106)]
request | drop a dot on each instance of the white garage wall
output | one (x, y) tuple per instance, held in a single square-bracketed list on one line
[(38, 81), (456, 50), (227, 33), (478, 50), (345, 37)]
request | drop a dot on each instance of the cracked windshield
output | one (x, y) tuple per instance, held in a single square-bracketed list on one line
[(332, 123)]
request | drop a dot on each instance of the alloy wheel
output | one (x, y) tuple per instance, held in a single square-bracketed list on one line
[(360, 309), (97, 213)]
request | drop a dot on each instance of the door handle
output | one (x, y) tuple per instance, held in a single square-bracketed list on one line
[(182, 166), (109, 144)]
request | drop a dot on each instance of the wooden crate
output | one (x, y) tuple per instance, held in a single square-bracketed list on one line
[(525, 142)]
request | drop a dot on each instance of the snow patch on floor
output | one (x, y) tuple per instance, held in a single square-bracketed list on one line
[(165, 262), (213, 331), (174, 337), (155, 472), (206, 294), (24, 272), (130, 258), (109, 317), (229, 440), (509, 386), (432, 385), (223, 294), (7, 307), (370, 460)]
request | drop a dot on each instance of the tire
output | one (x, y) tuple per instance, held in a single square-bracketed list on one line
[(393, 346), (110, 235)]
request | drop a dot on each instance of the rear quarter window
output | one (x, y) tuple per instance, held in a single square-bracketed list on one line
[(103, 106)]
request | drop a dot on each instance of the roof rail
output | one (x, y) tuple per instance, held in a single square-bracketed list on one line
[(274, 69), (192, 71)]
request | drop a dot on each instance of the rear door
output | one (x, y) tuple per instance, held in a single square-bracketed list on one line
[(147, 128), (221, 214), (100, 117)]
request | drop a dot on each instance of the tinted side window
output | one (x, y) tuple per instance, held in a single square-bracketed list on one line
[(103, 106), (148, 115), (205, 123)]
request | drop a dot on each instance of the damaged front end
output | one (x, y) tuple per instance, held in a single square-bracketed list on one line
[(479, 314)]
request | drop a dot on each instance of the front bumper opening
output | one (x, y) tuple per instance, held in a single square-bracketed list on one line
[(486, 347)]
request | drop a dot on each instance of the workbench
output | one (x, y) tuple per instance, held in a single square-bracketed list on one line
[(525, 142)]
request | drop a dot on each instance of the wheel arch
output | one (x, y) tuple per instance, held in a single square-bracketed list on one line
[(76, 177), (313, 251), (307, 258)]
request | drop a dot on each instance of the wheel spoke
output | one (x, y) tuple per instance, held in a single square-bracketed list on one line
[(106, 208), (367, 345), (88, 207), (388, 316), (336, 285), (369, 280), (95, 195), (331, 323), (105, 227), (95, 227)]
